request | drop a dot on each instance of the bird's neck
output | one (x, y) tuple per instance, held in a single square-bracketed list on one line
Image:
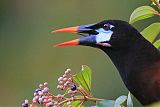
[(134, 59), (138, 67)]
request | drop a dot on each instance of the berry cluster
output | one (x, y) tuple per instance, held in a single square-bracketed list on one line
[(72, 92), (66, 82), (43, 97)]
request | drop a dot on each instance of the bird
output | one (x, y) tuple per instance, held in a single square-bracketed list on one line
[(136, 59)]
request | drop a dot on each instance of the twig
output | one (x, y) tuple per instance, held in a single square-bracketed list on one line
[(83, 99), (157, 3)]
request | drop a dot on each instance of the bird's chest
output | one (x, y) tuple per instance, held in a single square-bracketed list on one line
[(145, 85)]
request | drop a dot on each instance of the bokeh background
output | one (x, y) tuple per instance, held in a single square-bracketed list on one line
[(26, 54)]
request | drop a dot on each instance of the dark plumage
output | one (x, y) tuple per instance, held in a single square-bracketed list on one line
[(136, 59)]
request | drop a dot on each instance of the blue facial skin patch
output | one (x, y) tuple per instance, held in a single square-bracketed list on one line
[(103, 35)]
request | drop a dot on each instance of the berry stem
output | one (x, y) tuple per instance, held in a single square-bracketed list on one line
[(93, 99), (83, 99), (80, 105)]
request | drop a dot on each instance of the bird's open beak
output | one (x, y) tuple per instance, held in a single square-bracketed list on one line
[(85, 29), (69, 43)]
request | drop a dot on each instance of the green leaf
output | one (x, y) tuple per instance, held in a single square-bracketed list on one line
[(129, 100), (76, 103), (142, 12), (73, 103), (120, 100), (157, 44), (106, 103), (83, 78), (151, 32)]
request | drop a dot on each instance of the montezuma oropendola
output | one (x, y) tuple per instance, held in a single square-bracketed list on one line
[(136, 59)]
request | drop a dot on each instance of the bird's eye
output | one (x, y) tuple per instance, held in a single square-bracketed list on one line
[(106, 26)]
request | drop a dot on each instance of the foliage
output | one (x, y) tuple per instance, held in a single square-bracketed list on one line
[(143, 12), (84, 78), (151, 32)]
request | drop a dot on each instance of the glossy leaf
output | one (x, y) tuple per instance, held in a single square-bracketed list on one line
[(106, 103), (120, 100), (157, 44), (83, 78), (142, 12), (76, 103), (151, 32), (73, 103), (129, 100)]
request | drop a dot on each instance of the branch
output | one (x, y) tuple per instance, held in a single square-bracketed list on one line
[(86, 98)]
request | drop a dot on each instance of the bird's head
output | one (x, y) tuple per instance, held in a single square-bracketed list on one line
[(105, 34)]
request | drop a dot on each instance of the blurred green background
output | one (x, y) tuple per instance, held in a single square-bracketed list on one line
[(26, 54)]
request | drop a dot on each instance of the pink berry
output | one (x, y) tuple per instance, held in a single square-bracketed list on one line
[(40, 93), (73, 98), (40, 99), (34, 101), (60, 79), (61, 82), (65, 79), (50, 99), (72, 95), (36, 97), (67, 71), (46, 84), (64, 75), (49, 104), (26, 101), (46, 90), (40, 85), (60, 97), (50, 96), (60, 87), (65, 85), (70, 79), (70, 92), (35, 94), (69, 103), (44, 97), (55, 103), (68, 82), (45, 100)]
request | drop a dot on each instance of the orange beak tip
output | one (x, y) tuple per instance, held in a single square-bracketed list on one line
[(68, 43), (70, 29)]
